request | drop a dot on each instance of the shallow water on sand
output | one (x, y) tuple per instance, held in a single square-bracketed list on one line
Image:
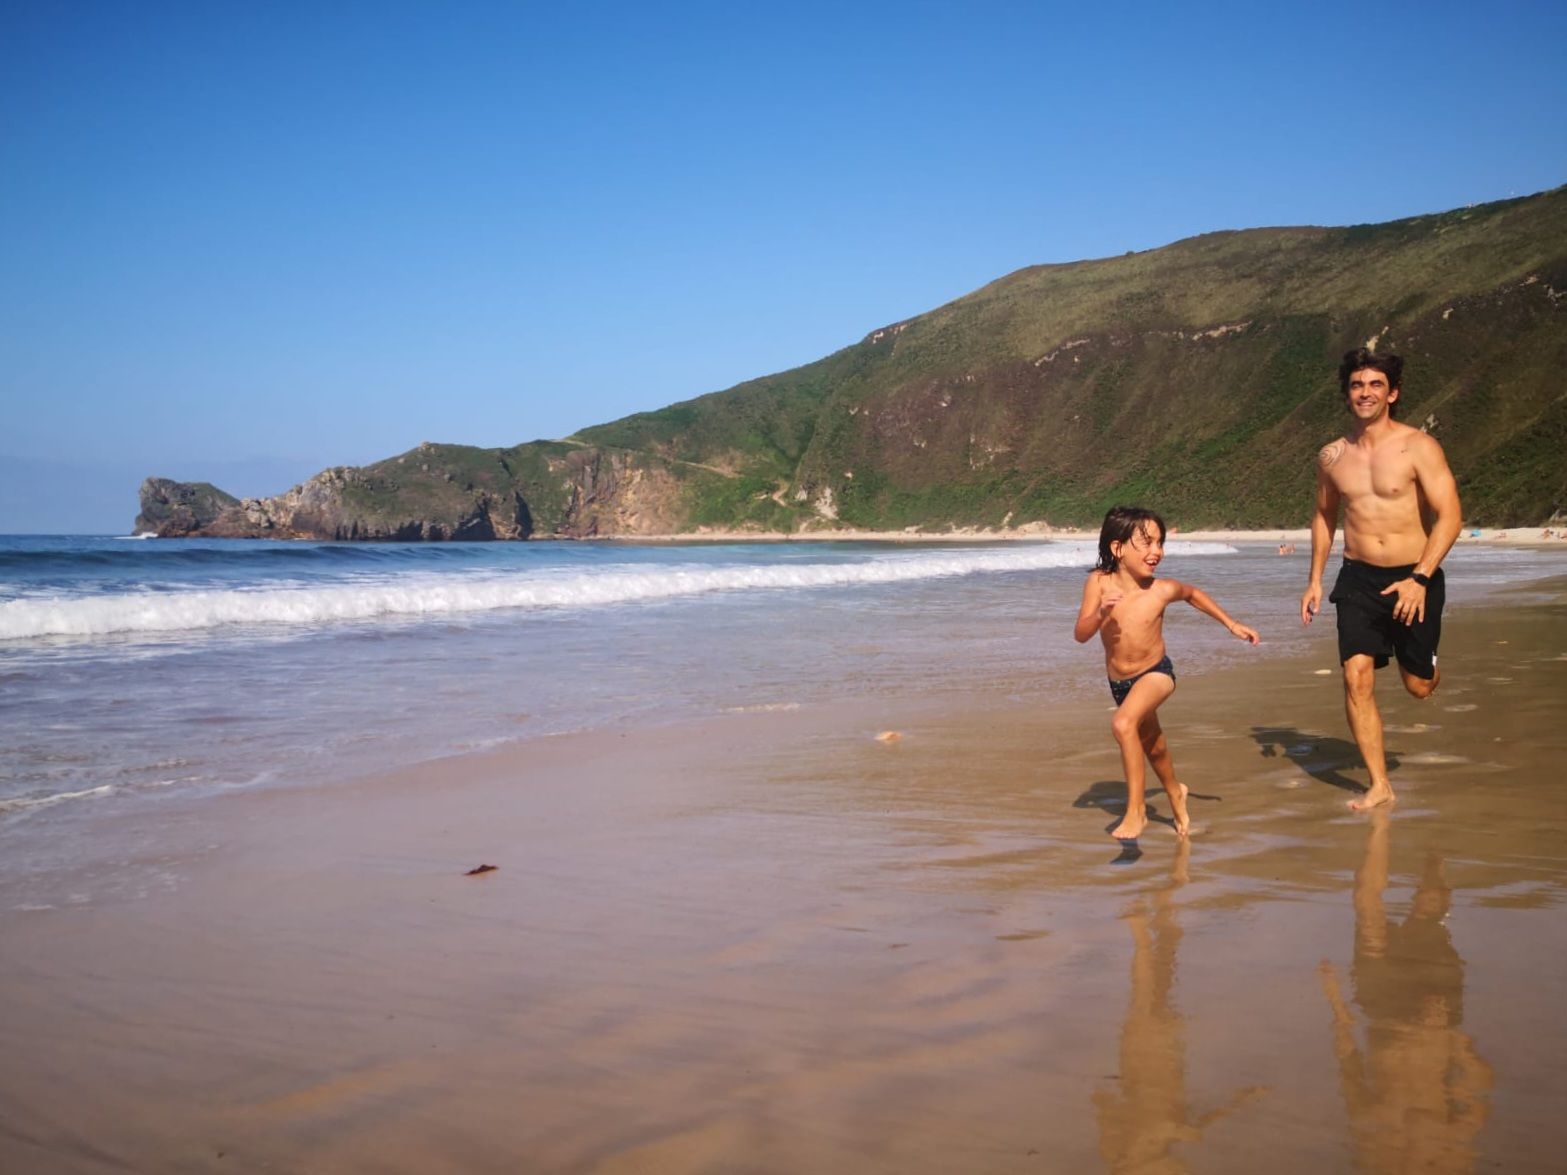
[(130, 670), (768, 941)]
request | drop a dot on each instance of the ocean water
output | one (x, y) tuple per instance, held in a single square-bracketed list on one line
[(132, 669)]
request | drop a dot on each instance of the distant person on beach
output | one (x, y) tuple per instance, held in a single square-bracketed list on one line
[(1124, 604), (1401, 517)]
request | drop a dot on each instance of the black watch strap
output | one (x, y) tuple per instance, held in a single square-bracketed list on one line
[(1422, 580)]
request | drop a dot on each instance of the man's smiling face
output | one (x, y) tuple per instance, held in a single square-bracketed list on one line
[(1369, 395)]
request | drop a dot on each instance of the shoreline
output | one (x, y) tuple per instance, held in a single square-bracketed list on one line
[(776, 942), (1511, 536), (1029, 532)]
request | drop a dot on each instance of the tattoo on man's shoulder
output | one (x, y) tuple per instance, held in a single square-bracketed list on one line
[(1331, 452)]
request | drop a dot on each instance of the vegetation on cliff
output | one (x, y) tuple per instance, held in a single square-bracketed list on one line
[(1199, 378)]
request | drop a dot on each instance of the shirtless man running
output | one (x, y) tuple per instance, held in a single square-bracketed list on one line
[(1401, 517)]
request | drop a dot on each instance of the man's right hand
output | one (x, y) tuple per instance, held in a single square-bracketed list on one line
[(1310, 603)]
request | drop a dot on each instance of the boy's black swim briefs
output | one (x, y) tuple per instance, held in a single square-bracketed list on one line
[(1120, 689), (1366, 623)]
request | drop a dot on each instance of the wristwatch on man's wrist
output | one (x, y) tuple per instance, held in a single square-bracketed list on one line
[(1422, 579)]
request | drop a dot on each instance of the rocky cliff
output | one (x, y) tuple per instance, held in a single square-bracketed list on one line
[(406, 504), (1199, 378), (445, 492)]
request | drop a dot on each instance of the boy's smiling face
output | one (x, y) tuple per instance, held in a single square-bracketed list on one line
[(1142, 553)]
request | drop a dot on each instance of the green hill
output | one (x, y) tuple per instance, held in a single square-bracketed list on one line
[(1198, 378)]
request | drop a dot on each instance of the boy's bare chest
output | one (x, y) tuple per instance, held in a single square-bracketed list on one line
[(1140, 610)]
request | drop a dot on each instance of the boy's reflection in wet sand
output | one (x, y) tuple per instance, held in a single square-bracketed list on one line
[(1146, 1114), (1417, 1093)]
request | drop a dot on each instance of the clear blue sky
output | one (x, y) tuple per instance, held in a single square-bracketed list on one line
[(242, 242)]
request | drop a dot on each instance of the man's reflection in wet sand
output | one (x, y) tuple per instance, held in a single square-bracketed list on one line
[(1416, 1094), (1145, 1114)]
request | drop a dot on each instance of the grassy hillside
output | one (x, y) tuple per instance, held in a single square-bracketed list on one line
[(1199, 376)]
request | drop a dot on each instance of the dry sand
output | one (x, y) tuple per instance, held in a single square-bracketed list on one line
[(775, 943)]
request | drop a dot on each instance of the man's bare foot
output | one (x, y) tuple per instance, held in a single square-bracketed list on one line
[(1183, 822), (1375, 797), (1131, 827)]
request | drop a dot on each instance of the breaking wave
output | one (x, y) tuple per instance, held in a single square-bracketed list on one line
[(426, 595)]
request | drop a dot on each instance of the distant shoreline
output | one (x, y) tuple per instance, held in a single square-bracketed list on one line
[(1506, 535), (1301, 537)]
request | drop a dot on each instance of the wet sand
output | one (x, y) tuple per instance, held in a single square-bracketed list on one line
[(774, 943)]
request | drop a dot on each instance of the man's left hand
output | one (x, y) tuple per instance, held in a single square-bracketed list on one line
[(1411, 603)]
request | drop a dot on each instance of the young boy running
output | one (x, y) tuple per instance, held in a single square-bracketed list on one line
[(1124, 604)]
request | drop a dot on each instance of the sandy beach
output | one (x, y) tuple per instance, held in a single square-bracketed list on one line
[(774, 942)]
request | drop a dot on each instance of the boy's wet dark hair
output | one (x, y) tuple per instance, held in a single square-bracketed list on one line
[(1360, 359), (1120, 524)]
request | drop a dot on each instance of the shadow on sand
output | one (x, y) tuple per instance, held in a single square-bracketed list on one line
[(1319, 756), (1109, 796)]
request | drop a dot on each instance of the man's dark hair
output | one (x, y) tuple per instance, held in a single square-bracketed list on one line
[(1362, 358), (1121, 523)]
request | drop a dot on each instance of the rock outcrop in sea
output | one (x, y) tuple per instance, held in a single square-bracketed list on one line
[(172, 508)]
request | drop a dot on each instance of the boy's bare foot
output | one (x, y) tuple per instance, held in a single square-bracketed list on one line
[(1131, 827), (1183, 822), (1375, 797)]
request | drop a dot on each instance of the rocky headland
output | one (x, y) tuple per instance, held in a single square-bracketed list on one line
[(438, 493)]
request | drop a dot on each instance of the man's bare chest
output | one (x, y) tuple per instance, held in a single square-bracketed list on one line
[(1385, 474)]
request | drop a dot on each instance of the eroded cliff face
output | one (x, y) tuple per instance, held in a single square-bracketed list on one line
[(344, 504), (619, 494)]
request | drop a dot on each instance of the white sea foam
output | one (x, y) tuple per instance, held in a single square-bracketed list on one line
[(431, 596), (29, 803)]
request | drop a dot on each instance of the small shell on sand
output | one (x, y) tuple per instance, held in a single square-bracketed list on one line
[(1323, 672), (888, 736)]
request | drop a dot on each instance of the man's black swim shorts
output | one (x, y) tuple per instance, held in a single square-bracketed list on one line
[(1366, 623)]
